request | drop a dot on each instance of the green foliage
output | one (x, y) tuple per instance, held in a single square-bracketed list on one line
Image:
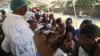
[(68, 4), (60, 4), (82, 3), (43, 8), (29, 3)]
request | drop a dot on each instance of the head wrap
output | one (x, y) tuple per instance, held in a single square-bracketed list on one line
[(16, 4)]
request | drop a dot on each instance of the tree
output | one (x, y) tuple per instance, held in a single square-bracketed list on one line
[(82, 3), (68, 4), (58, 3)]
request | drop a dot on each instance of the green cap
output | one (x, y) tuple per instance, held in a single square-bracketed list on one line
[(16, 4)]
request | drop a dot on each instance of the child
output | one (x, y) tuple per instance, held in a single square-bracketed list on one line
[(57, 47), (69, 43)]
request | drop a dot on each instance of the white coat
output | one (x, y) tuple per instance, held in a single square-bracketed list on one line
[(18, 36)]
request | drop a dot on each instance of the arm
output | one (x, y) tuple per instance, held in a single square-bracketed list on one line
[(6, 45)]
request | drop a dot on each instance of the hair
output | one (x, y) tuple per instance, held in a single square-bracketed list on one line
[(69, 19), (90, 31), (70, 29), (58, 20), (3, 12), (51, 15), (87, 22), (58, 43)]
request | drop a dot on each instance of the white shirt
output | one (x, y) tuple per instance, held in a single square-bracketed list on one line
[(18, 36), (82, 52), (48, 26), (59, 52), (29, 15)]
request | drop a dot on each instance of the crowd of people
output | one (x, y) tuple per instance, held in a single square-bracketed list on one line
[(17, 33)]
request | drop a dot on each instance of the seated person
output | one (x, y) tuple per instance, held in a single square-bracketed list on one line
[(52, 20), (57, 47), (69, 43), (69, 26), (83, 24), (87, 44), (60, 27), (29, 15), (47, 30), (64, 47)]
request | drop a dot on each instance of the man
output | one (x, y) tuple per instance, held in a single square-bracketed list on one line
[(18, 35), (87, 43)]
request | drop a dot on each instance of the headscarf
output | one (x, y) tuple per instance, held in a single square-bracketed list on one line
[(16, 4)]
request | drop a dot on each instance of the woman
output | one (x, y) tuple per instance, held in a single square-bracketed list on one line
[(87, 45), (18, 35), (60, 28)]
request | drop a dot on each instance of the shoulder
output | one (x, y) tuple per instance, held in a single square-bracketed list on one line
[(12, 16), (59, 52), (13, 19)]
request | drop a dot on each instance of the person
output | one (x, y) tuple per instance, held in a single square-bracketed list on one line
[(64, 47), (18, 34), (29, 15), (57, 46), (69, 26), (60, 28), (52, 20), (69, 44), (80, 13), (83, 24), (47, 31), (3, 15), (44, 20), (38, 15), (69, 41), (51, 23), (87, 45)]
